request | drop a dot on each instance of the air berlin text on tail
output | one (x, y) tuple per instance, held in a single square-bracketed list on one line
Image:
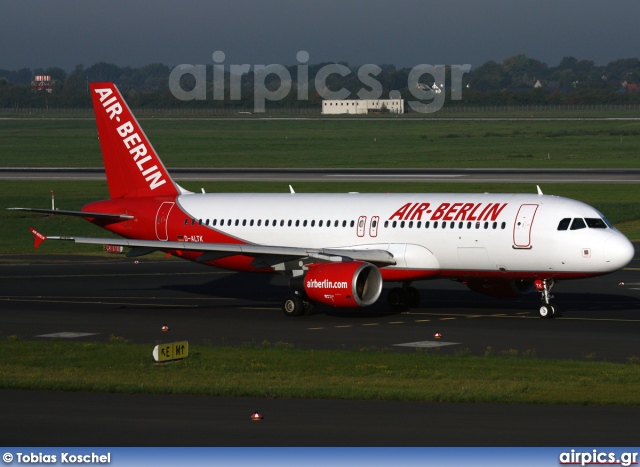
[(137, 148)]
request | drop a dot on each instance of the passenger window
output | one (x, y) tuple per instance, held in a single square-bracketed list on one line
[(386, 224), (578, 223), (503, 226), (237, 222), (215, 221), (186, 221), (313, 223), (426, 224), (595, 223), (564, 224), (435, 225)]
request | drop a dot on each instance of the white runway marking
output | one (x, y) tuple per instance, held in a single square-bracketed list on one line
[(69, 335), (426, 344)]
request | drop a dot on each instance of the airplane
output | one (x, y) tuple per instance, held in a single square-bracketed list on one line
[(339, 249)]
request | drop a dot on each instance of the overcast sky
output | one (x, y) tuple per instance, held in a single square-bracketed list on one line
[(66, 33)]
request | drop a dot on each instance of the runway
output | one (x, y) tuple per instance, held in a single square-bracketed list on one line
[(100, 297), (600, 317), (531, 176)]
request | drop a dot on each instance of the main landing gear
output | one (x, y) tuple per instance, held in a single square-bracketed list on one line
[(547, 308), (297, 305), (401, 298)]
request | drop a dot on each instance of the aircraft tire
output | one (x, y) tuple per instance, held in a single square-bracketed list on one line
[(310, 307), (293, 306), (412, 297), (396, 299), (546, 311)]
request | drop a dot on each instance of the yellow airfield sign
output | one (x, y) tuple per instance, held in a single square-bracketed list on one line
[(172, 351)]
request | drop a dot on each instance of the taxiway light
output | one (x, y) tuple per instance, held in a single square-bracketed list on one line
[(621, 283), (165, 328), (256, 417), (437, 335)]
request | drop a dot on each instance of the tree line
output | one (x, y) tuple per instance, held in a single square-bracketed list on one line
[(518, 80)]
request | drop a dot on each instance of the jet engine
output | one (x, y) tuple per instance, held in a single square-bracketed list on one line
[(502, 288), (349, 284)]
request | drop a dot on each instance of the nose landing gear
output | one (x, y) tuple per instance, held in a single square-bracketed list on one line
[(547, 308)]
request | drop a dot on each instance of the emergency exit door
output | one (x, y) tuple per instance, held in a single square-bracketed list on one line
[(523, 225), (162, 221)]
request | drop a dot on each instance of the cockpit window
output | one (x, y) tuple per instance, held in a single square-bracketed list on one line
[(578, 223), (564, 224), (604, 219), (595, 223)]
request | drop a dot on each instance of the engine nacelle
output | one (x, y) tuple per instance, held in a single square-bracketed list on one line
[(344, 285), (498, 288)]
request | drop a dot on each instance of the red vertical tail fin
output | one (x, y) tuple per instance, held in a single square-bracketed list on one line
[(132, 166), (38, 238)]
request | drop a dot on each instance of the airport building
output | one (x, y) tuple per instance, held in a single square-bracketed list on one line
[(362, 106)]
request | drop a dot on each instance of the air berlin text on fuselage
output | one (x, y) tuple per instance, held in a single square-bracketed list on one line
[(449, 212), (133, 143)]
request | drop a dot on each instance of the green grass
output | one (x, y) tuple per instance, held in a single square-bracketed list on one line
[(278, 370), (321, 143)]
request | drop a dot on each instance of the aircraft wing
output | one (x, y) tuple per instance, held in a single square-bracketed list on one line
[(212, 251), (60, 212)]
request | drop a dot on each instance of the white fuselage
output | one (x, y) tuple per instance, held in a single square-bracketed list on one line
[(456, 233)]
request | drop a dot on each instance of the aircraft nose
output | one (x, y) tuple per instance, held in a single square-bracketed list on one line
[(618, 251)]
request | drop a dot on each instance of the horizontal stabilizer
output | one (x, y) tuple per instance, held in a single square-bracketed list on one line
[(59, 212)]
